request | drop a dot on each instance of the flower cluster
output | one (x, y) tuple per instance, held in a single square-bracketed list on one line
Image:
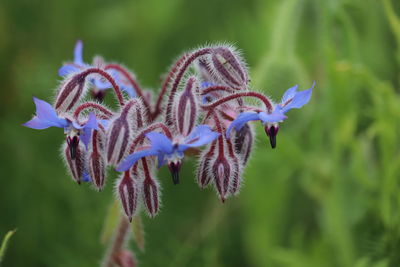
[(201, 109)]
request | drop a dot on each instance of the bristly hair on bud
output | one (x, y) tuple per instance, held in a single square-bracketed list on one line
[(228, 67), (97, 158), (243, 141), (121, 129), (71, 91), (204, 172), (150, 190), (74, 160), (128, 191), (185, 114)]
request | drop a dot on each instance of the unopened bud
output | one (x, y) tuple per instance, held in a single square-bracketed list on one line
[(128, 193), (120, 130), (203, 172), (96, 159), (186, 108), (243, 141), (125, 258), (70, 92), (74, 159), (229, 67), (151, 196)]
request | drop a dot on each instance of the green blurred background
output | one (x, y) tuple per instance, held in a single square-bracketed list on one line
[(329, 195)]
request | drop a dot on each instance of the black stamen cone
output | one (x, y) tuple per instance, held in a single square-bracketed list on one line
[(174, 169), (272, 136), (73, 144)]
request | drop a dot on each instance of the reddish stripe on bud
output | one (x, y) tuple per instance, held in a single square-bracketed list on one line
[(128, 193), (120, 130), (203, 171), (150, 191), (243, 141), (229, 67), (125, 258), (222, 173), (186, 108), (70, 92), (96, 161), (75, 164)]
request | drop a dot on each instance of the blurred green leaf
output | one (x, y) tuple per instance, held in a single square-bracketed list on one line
[(4, 244)]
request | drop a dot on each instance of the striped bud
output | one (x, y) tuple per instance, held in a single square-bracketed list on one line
[(96, 159), (120, 130), (124, 258), (243, 141), (150, 191), (75, 162), (203, 171), (226, 169), (186, 108), (128, 194), (71, 91), (229, 67)]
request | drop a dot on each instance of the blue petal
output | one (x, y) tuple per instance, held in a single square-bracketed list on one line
[(299, 100), (100, 83), (241, 120), (160, 142), (130, 160), (46, 116), (67, 69), (86, 132), (290, 93), (201, 135), (275, 116), (160, 159), (204, 85), (78, 59), (86, 176)]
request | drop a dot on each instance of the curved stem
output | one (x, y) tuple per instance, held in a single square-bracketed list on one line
[(179, 76), (110, 79), (92, 105), (118, 243), (129, 77), (167, 81), (264, 99), (217, 88)]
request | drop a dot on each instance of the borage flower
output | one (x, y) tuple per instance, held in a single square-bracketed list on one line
[(171, 151), (99, 84), (291, 99), (46, 116)]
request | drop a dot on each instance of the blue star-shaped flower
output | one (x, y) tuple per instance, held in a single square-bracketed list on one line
[(46, 116), (291, 99), (167, 151)]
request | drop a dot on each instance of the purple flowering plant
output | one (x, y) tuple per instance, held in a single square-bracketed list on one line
[(201, 107)]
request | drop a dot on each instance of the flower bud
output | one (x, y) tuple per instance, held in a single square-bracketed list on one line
[(96, 159), (71, 91), (120, 130), (243, 142), (186, 108), (74, 158), (150, 194), (128, 193), (203, 171), (229, 67)]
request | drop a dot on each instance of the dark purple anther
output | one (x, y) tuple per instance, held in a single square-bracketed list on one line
[(272, 131), (174, 168), (73, 143)]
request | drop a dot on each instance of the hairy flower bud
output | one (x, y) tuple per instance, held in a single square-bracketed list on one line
[(120, 130), (74, 159), (96, 158), (203, 170), (150, 190), (125, 258), (186, 108), (229, 67), (128, 193), (243, 141), (70, 92)]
